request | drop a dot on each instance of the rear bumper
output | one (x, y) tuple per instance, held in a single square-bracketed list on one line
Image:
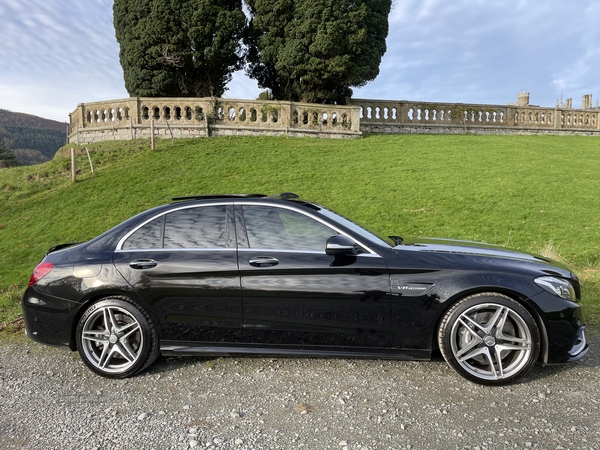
[(48, 319)]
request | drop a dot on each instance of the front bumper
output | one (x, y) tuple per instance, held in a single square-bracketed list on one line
[(563, 325), (580, 346)]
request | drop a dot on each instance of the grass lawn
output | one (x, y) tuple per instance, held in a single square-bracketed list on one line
[(534, 193)]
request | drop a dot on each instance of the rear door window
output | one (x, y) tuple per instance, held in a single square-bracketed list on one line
[(204, 227), (201, 227)]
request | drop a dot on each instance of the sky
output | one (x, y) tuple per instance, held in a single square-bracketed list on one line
[(56, 54)]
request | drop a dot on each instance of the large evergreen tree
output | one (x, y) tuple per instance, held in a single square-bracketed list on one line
[(316, 50), (178, 48)]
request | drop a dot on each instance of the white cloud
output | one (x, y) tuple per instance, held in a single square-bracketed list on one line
[(487, 52), (56, 54)]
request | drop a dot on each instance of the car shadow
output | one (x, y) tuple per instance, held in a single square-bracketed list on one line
[(167, 364)]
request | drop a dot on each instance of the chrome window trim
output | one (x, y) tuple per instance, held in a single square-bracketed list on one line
[(164, 213), (119, 247), (312, 252), (187, 249)]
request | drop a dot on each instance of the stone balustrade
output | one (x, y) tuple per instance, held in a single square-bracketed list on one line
[(134, 118), (196, 117), (403, 117)]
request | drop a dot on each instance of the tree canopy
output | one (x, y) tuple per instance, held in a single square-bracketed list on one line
[(316, 50), (7, 159), (179, 48)]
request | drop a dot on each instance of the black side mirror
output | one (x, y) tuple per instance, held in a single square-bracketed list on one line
[(340, 245)]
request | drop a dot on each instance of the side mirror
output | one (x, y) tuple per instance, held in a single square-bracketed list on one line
[(340, 245)]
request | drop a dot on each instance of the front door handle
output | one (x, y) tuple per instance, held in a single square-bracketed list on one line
[(263, 261), (143, 264)]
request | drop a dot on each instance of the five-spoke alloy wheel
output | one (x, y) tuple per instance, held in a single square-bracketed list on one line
[(489, 339), (116, 338)]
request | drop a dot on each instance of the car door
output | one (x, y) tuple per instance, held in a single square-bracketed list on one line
[(183, 263), (294, 294)]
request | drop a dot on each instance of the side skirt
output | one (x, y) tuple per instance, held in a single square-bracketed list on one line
[(172, 348)]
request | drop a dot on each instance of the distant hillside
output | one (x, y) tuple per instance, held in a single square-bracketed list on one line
[(28, 120), (32, 139)]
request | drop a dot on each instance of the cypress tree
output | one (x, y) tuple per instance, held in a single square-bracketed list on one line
[(178, 48), (316, 50)]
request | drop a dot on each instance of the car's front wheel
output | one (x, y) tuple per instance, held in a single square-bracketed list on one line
[(116, 338), (489, 338)]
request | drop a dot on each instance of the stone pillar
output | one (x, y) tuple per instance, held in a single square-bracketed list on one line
[(355, 111), (134, 110), (285, 115), (523, 99), (79, 116), (509, 119), (402, 113)]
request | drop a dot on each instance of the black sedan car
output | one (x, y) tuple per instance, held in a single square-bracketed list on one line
[(241, 274)]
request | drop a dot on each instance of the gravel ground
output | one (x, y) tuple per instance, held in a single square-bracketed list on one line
[(48, 400)]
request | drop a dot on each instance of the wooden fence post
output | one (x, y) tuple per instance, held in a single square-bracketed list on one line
[(152, 134), (89, 159), (73, 166)]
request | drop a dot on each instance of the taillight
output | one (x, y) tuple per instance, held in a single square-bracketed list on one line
[(40, 272)]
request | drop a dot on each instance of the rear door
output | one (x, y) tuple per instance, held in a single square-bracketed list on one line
[(183, 263)]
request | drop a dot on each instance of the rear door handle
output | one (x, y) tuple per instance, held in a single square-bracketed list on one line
[(143, 264), (263, 261)]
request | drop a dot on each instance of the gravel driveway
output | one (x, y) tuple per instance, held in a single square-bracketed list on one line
[(50, 400)]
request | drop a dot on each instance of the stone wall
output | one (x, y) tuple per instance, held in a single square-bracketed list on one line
[(133, 118)]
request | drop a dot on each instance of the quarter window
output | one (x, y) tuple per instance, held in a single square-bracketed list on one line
[(148, 236)]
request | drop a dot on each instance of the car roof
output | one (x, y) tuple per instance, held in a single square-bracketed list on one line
[(282, 196)]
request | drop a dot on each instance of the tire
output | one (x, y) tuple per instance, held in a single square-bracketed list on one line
[(489, 339), (116, 338)]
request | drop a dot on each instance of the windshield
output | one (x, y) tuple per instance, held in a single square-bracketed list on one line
[(354, 227)]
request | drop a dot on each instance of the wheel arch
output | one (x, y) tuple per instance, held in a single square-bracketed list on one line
[(98, 296), (523, 300)]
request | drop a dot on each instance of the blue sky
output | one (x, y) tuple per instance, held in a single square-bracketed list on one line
[(56, 54)]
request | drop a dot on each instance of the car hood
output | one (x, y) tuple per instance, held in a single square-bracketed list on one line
[(439, 245)]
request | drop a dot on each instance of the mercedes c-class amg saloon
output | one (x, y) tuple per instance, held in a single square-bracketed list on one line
[(277, 275)]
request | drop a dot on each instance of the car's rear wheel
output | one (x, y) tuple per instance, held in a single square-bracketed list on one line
[(116, 338), (489, 338)]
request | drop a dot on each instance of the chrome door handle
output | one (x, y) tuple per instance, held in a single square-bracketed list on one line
[(143, 264), (263, 261)]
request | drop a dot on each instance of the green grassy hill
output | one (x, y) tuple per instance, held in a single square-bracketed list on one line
[(532, 193)]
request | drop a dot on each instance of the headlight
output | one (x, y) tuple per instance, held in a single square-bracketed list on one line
[(557, 286)]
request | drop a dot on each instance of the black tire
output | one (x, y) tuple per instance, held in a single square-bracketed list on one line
[(489, 339), (116, 338)]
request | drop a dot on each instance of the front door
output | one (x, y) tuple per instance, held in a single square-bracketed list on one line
[(294, 294)]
